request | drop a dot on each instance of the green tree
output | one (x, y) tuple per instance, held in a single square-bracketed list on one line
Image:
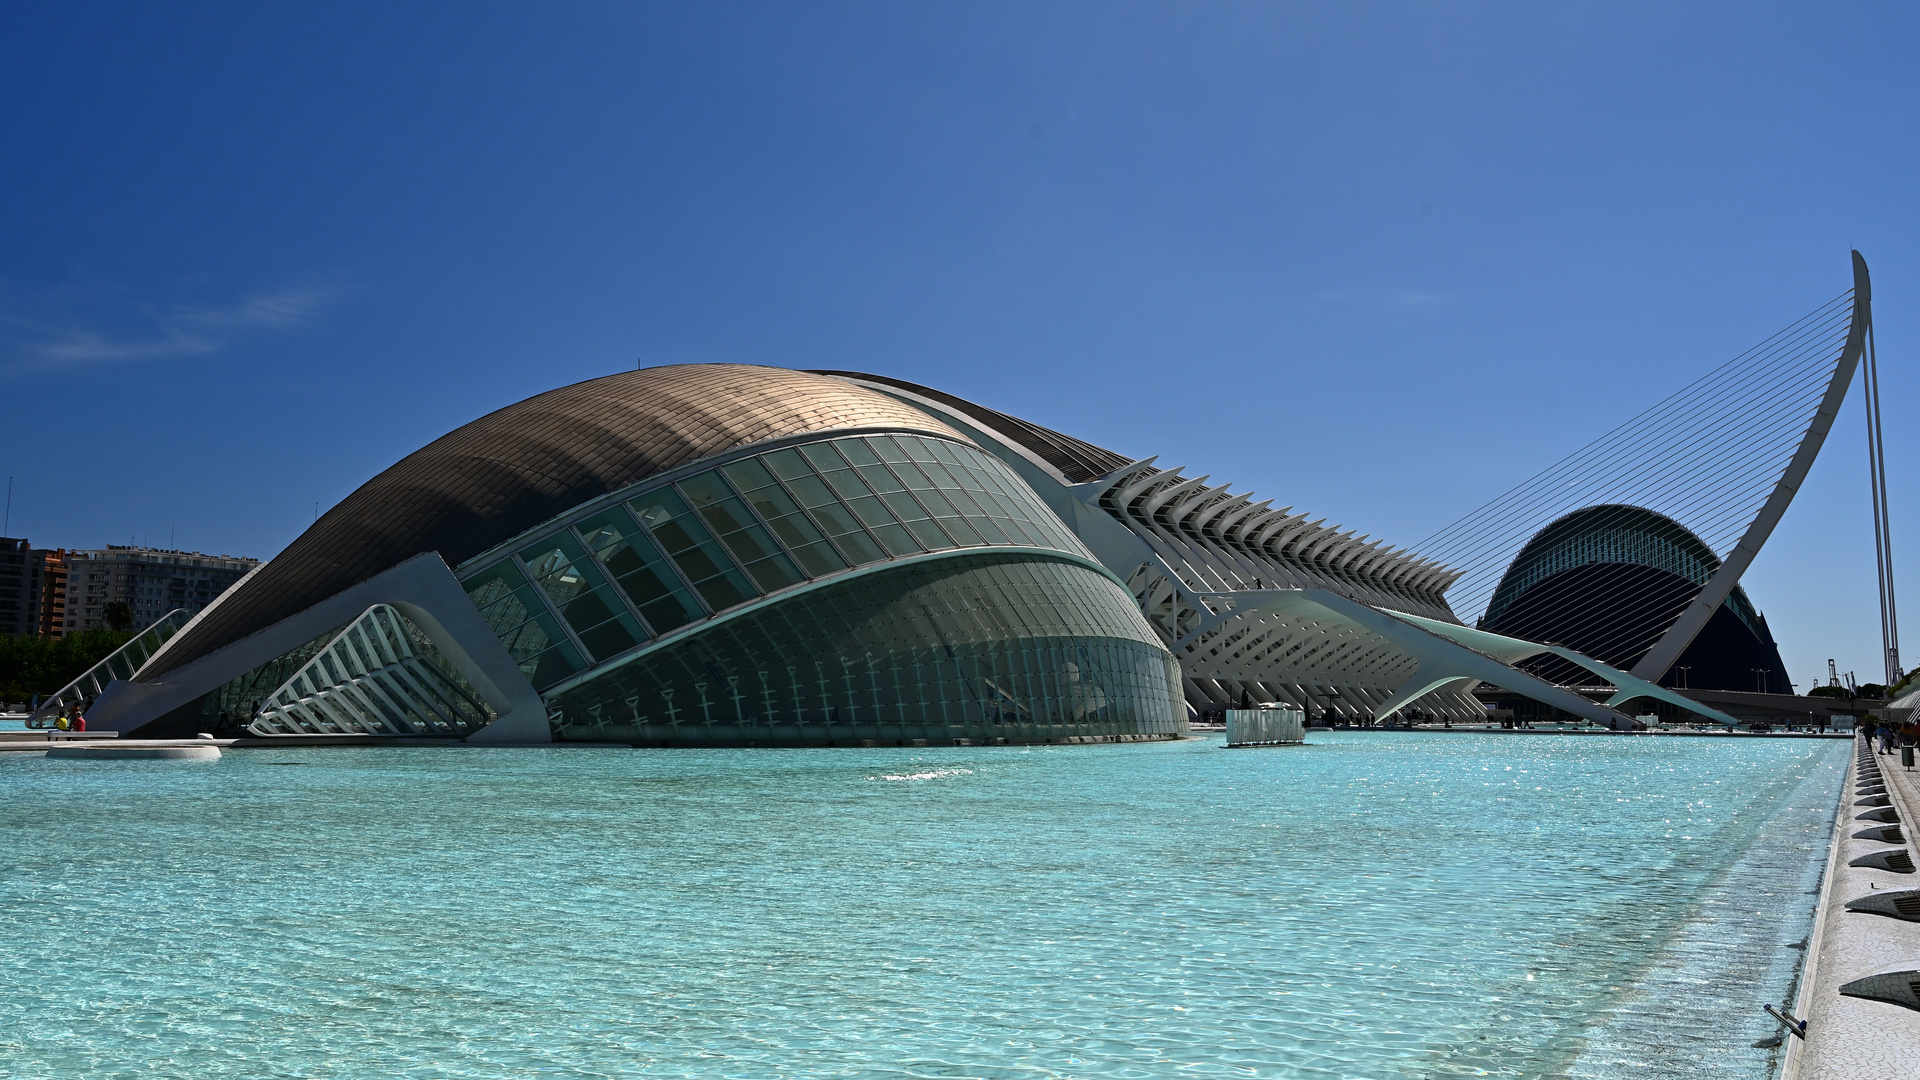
[(34, 665), (119, 614)]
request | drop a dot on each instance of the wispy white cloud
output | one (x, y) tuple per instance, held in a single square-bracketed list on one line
[(275, 310), (1391, 299), (180, 331)]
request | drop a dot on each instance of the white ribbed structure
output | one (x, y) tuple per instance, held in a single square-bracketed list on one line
[(376, 677)]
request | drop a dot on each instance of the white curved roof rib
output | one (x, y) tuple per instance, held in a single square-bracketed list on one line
[(1112, 484), (1272, 527), (1221, 509), (1183, 512), (1129, 490), (1151, 508), (1233, 518)]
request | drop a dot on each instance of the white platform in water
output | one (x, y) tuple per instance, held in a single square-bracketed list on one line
[(196, 751)]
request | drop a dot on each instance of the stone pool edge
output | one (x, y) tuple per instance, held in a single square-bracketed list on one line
[(1852, 1038)]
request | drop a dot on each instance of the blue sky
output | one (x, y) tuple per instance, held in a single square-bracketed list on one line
[(1380, 261)]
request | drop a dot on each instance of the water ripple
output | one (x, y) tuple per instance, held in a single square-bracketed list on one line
[(1368, 906)]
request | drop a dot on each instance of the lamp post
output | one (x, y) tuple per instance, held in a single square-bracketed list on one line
[(1683, 669), (1759, 687)]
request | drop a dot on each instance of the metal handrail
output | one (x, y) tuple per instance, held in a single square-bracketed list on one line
[(119, 664)]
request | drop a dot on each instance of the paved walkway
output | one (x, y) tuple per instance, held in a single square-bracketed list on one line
[(1850, 1038)]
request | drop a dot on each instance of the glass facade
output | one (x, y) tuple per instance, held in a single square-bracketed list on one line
[(984, 647), (676, 553)]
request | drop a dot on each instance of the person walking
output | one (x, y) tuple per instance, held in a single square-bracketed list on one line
[(1887, 733)]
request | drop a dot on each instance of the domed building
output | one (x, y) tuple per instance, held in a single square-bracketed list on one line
[(699, 555), (1607, 581)]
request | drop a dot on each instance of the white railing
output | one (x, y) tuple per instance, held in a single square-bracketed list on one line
[(119, 664)]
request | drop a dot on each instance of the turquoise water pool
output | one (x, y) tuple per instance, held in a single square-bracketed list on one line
[(1371, 905)]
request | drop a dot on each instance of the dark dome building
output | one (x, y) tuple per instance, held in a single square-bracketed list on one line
[(701, 555), (1608, 581)]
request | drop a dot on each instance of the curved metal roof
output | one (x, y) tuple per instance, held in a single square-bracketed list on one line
[(486, 482), (1077, 460)]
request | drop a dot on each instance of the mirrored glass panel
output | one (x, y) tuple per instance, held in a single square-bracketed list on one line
[(598, 615), (640, 570), (740, 532), (854, 542), (982, 647), (859, 497), (716, 539), (686, 540), (784, 516), (503, 596)]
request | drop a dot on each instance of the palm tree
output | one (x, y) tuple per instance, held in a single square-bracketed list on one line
[(119, 614)]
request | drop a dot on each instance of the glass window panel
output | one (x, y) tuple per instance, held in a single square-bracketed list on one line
[(641, 571), (528, 638), (725, 590), (645, 585), (820, 559), (667, 517), (879, 479), (503, 597), (961, 531), (728, 516), (1008, 508), (911, 473), (1034, 534), (917, 449), (929, 534), (787, 464), (748, 474), (846, 533), (799, 533), (897, 540), (938, 473), (692, 549), (1017, 531), (887, 447), (988, 479), (847, 484), (947, 452), (750, 544), (823, 457), (551, 666), (903, 506), (494, 583), (773, 573), (938, 505), (592, 609), (771, 502), (704, 489), (559, 565), (629, 556), (612, 637), (794, 530), (669, 609), (856, 451), (812, 491), (962, 501), (871, 512), (701, 563), (989, 530)]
